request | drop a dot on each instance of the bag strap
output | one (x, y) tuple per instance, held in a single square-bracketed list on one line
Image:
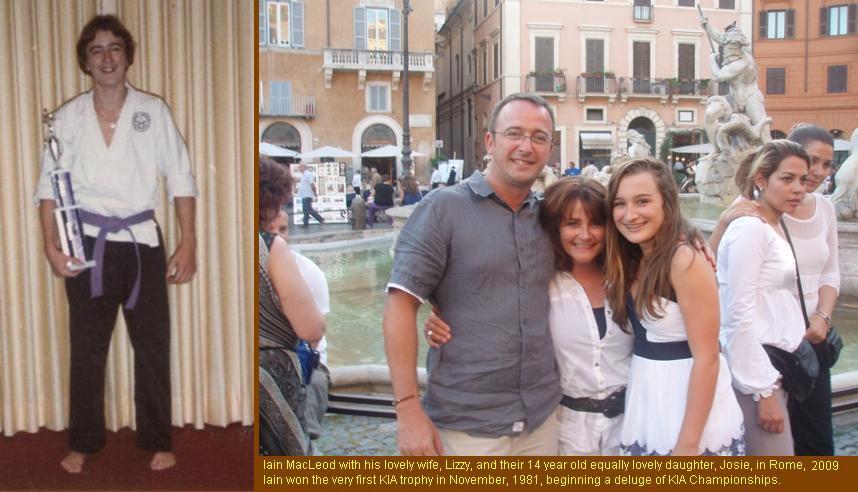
[(797, 276)]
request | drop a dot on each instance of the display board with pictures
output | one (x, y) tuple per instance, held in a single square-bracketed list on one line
[(330, 200)]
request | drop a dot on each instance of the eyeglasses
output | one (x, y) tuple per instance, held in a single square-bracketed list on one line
[(516, 136)]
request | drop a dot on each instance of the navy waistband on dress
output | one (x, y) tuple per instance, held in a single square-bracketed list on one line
[(113, 225), (655, 350)]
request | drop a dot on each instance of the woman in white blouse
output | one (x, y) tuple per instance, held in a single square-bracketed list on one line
[(593, 353), (813, 228), (756, 281)]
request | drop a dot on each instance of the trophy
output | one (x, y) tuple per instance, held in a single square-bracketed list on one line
[(66, 212)]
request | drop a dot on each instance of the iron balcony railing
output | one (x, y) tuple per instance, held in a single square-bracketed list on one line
[(596, 84), (647, 87), (298, 106), (547, 83), (343, 59)]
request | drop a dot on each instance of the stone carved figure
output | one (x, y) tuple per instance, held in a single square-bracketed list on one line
[(845, 196), (639, 147), (734, 123)]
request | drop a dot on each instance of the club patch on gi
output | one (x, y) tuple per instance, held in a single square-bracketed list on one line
[(141, 121)]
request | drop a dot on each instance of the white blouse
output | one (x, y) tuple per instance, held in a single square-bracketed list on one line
[(120, 180), (759, 305), (589, 367), (815, 241)]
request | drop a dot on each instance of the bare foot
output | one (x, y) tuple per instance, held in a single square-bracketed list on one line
[(73, 462), (162, 460)]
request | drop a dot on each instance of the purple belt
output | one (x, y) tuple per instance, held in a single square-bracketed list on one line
[(113, 225)]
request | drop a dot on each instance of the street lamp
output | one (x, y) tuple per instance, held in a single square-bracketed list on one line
[(406, 133)]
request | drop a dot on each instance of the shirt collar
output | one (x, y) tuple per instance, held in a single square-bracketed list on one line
[(481, 187)]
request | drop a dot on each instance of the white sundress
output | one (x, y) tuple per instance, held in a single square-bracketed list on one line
[(658, 390)]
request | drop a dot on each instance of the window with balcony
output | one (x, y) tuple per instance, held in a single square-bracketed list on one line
[(377, 29), (777, 24), (595, 57), (378, 97), (281, 98), (643, 10), (837, 79), (281, 23), (727, 4), (543, 64), (776, 80), (641, 83), (838, 20)]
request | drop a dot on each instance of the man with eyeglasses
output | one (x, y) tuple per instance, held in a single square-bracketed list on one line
[(477, 252)]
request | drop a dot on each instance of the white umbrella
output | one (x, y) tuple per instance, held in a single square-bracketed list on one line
[(389, 151), (272, 150), (326, 152), (704, 148)]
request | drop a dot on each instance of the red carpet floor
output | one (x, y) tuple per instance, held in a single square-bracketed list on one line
[(213, 458)]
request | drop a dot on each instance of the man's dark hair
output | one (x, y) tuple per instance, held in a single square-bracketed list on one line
[(104, 23), (521, 96)]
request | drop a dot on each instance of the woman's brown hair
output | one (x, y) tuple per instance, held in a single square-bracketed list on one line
[(275, 190), (559, 201), (409, 184), (625, 261)]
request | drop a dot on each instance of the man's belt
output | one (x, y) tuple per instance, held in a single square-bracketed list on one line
[(113, 225), (611, 406)]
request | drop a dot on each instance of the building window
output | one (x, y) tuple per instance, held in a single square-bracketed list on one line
[(496, 60), (595, 115), (643, 10), (280, 98), (595, 57), (485, 8), (775, 81), (727, 4), (378, 97), (685, 62), (685, 116), (685, 3), (640, 67), (837, 80), (777, 24), (838, 20), (458, 71), (485, 56), (281, 23), (377, 29), (543, 54), (470, 67)]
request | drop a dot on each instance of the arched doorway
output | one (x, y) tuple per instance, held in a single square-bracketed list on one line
[(283, 135), (375, 136), (645, 127)]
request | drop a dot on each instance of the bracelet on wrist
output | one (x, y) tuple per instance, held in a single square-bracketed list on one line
[(400, 400), (825, 316)]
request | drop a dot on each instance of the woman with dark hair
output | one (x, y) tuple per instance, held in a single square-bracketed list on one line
[(813, 229), (410, 193), (287, 314), (679, 400), (757, 283)]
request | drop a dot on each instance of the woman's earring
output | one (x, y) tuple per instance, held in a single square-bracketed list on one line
[(756, 193)]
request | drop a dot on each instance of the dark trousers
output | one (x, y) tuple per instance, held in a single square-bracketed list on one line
[(91, 327), (307, 205), (812, 430)]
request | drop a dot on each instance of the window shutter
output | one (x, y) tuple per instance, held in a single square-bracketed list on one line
[(360, 28), (823, 21), (395, 33), (775, 81), (850, 25), (764, 24), (790, 23), (297, 24), (685, 69), (263, 37), (544, 51), (640, 60), (595, 55)]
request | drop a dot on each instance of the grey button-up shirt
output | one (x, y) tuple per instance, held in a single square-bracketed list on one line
[(487, 268)]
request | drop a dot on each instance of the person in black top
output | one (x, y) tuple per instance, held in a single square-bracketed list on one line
[(382, 199)]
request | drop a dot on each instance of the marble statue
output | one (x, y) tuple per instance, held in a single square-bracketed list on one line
[(734, 123), (639, 147), (845, 196)]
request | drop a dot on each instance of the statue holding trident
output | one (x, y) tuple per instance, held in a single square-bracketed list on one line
[(733, 123)]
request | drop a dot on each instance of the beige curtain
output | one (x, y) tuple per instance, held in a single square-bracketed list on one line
[(198, 55)]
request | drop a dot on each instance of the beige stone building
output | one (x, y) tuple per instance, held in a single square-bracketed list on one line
[(331, 74)]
